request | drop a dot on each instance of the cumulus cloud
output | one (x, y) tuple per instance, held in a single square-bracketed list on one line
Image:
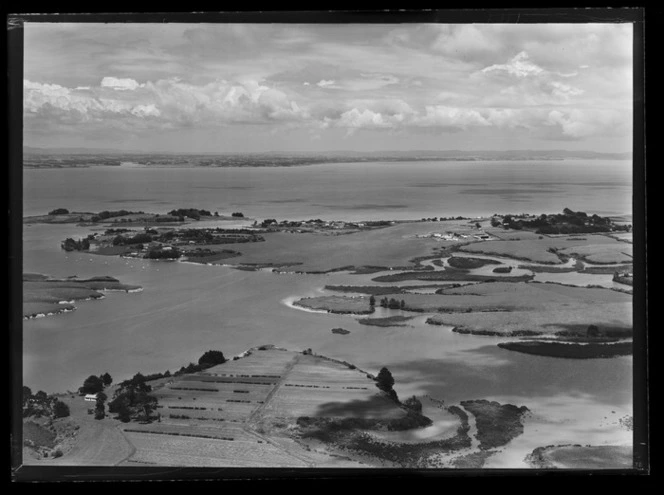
[(324, 84), (145, 111), (564, 91), (579, 124), (450, 118), (463, 40), (368, 119), (519, 66), (120, 84), (58, 101), (168, 101)]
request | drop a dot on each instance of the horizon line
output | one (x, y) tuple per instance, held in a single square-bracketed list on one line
[(513, 150)]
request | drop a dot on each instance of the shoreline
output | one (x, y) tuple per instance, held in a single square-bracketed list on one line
[(478, 297), (45, 296)]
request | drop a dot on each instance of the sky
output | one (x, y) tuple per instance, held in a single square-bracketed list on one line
[(318, 87)]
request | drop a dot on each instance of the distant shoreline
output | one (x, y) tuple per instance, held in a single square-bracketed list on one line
[(45, 158)]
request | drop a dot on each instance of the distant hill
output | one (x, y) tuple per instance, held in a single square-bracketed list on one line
[(477, 154), (72, 151), (76, 157)]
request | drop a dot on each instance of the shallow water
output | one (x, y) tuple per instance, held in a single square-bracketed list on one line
[(186, 309), (351, 191)]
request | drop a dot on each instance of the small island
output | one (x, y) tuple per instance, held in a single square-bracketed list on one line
[(45, 296)]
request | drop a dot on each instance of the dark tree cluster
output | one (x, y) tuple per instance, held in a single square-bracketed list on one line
[(413, 403), (100, 406), (140, 238), (190, 212), (133, 401), (159, 253), (104, 215), (70, 244), (94, 384), (267, 222), (385, 382), (211, 358), (237, 214), (378, 223), (567, 222), (391, 303), (43, 405), (207, 360), (201, 236), (59, 211)]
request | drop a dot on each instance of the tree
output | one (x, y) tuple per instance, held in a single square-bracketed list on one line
[(413, 403), (403, 304), (477, 225), (27, 394), (394, 304), (120, 406), (60, 409), (100, 406), (132, 400), (146, 405), (106, 379), (92, 385), (59, 211), (211, 358), (385, 381), (41, 396), (592, 331), (372, 301)]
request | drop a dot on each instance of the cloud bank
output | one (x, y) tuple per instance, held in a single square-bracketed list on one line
[(543, 82)]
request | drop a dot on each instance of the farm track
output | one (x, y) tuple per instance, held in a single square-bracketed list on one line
[(258, 412)]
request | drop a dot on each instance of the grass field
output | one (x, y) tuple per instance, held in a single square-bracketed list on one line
[(529, 247), (237, 413), (503, 305), (386, 247), (617, 252), (337, 304), (42, 295), (534, 307)]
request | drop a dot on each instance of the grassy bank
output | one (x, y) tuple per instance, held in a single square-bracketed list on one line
[(356, 436), (448, 275), (497, 424), (337, 304), (388, 321), (571, 350), (468, 263), (593, 248), (44, 296)]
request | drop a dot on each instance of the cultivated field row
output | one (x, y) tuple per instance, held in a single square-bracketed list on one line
[(223, 417)]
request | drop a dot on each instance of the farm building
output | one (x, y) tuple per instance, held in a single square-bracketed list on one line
[(91, 397)]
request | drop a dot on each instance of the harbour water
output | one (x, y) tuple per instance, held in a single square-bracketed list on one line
[(186, 309)]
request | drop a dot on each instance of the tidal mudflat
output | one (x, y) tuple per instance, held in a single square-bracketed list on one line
[(453, 351)]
